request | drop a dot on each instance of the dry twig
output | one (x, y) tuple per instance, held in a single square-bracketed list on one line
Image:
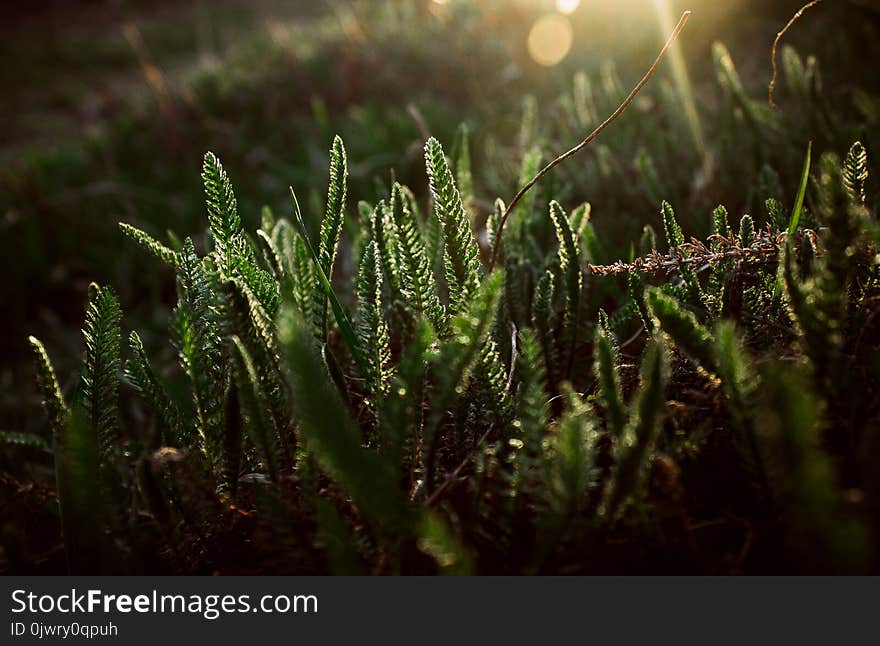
[(764, 248), (586, 142), (794, 19)]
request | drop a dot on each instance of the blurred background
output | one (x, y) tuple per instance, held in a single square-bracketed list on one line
[(108, 106)]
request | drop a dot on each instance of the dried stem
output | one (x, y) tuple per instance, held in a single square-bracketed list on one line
[(794, 19), (586, 142), (765, 248)]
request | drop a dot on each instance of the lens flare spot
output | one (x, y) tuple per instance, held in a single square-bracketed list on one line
[(567, 6), (550, 39)]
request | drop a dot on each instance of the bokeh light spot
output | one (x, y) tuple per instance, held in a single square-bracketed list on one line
[(550, 39), (567, 6)]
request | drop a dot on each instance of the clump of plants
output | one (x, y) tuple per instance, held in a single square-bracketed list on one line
[(708, 406)]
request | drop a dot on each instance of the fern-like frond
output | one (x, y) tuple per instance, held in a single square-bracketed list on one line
[(100, 379), (674, 235), (746, 230), (197, 339), (544, 322), (384, 234), (402, 412), (648, 240), (572, 455), (521, 218), (568, 254), (855, 172), (323, 284), (437, 540), (148, 242), (790, 422), (606, 360), (368, 477), (331, 229), (273, 258), (492, 223), (141, 375), (463, 175), (260, 281), (739, 384), (461, 254), (334, 216), (714, 297), (255, 407), (675, 239), (222, 206), (53, 400), (642, 429), (636, 290), (247, 320), (454, 361), (298, 266), (688, 334), (416, 277), (530, 465), (371, 327), (20, 439), (490, 380)]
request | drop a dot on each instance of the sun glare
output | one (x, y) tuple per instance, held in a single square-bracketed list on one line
[(567, 6), (550, 39)]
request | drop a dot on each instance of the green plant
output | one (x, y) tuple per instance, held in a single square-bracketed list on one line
[(434, 434)]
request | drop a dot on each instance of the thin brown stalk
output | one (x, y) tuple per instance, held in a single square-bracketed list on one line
[(772, 87), (589, 139)]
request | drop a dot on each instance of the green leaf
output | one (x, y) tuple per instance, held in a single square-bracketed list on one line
[(795, 217), (802, 191)]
